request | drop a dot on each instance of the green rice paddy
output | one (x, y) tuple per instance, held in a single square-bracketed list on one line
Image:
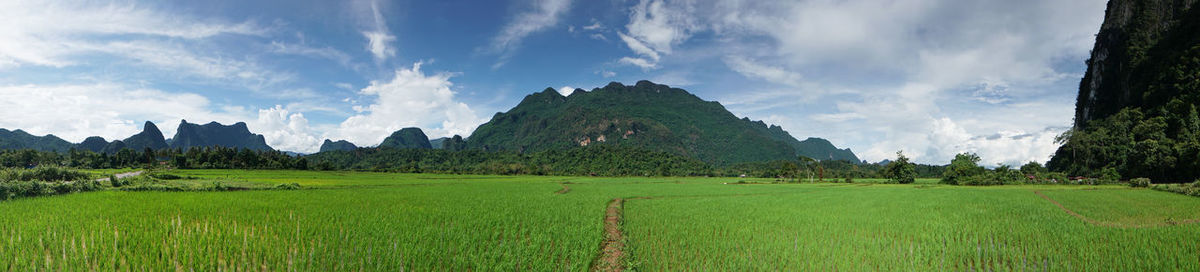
[(345, 221)]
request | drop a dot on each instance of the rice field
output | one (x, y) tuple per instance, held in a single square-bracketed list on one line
[(345, 221)]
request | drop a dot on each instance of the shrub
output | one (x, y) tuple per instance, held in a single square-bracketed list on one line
[(114, 181), (1192, 189), (288, 186), (1109, 175), (219, 186), (43, 181), (1139, 182), (849, 180), (165, 176)]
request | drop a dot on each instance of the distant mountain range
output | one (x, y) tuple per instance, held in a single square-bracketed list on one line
[(187, 136), (645, 115), (19, 139)]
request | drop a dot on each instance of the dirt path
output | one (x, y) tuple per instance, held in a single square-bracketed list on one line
[(564, 190), (612, 251), (1110, 224)]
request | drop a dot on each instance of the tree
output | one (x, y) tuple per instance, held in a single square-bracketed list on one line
[(900, 171), (1032, 169), (962, 167), (808, 162)]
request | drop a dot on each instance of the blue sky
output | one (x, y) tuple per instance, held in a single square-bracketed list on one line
[(930, 77)]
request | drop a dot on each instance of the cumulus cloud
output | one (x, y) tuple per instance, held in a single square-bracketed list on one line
[(933, 78), (285, 130), (410, 99), (542, 14), (566, 90), (113, 111)]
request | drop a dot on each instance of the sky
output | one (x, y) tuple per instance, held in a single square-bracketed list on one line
[(930, 77)]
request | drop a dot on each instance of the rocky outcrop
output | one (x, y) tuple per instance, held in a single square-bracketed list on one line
[(1134, 36), (341, 145), (407, 138), (215, 134), (150, 137)]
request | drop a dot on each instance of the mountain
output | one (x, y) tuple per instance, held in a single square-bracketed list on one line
[(822, 149), (93, 144), (215, 134), (113, 147), (407, 138), (1138, 44), (455, 143), (150, 137), (19, 139), (645, 115), (339, 145), (437, 143), (815, 148), (1136, 107)]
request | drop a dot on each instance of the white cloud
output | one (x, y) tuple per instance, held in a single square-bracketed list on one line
[(639, 62), (566, 90), (639, 47), (961, 67), (182, 61), (765, 72), (379, 39), (329, 53), (54, 33), (410, 99), (596, 25), (541, 15), (113, 111), (379, 44), (655, 26), (285, 130)]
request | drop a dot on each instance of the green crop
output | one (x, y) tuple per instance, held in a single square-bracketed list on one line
[(343, 221)]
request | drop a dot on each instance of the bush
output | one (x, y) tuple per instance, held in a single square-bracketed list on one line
[(288, 186), (115, 182), (43, 181), (849, 180), (165, 176), (42, 174), (1109, 175), (1139, 182), (1192, 189)]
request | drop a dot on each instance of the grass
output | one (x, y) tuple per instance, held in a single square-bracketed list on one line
[(379, 221)]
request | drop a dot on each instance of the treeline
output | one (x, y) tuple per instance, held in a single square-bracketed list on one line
[(1163, 146), (606, 160), (195, 158), (829, 169), (600, 160)]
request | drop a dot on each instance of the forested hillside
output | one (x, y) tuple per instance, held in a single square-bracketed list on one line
[(648, 116), (1136, 110)]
